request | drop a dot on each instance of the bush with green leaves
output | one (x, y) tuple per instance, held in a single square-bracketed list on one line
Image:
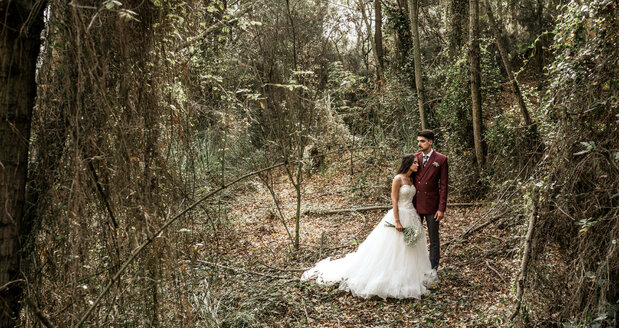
[(579, 221)]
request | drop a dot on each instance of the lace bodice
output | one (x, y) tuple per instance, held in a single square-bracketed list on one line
[(405, 198)]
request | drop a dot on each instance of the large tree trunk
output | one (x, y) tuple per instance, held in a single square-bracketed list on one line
[(19, 49), (500, 38), (413, 7), (476, 83), (378, 40)]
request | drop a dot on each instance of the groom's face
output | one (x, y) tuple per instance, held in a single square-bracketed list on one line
[(424, 144)]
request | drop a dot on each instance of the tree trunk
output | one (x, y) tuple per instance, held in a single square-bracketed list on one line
[(539, 53), (402, 38), (375, 50), (457, 26), (297, 216), (476, 83), (414, 18), (378, 40), (19, 49), (294, 35), (499, 36)]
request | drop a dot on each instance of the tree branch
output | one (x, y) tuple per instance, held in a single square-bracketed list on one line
[(150, 239), (42, 317)]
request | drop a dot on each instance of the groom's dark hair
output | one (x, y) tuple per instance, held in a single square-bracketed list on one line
[(428, 134)]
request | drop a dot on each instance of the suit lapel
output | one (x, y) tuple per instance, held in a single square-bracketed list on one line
[(431, 159), (428, 166), (422, 169)]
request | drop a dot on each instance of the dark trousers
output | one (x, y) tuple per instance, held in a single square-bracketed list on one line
[(435, 244)]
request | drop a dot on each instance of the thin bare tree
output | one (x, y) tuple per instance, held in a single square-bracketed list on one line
[(497, 28), (476, 82), (378, 41), (376, 49), (413, 7)]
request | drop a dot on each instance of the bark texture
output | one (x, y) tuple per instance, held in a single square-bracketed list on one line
[(19, 49)]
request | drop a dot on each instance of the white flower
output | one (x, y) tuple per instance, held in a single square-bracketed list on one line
[(435, 164)]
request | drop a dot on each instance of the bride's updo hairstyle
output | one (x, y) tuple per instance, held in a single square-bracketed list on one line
[(407, 161)]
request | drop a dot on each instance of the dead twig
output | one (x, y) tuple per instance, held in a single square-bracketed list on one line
[(5, 286), (495, 271), (346, 210), (42, 317), (471, 230), (101, 193)]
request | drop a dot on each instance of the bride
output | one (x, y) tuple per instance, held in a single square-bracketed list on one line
[(384, 265)]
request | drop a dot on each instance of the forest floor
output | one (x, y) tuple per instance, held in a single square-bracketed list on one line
[(254, 271)]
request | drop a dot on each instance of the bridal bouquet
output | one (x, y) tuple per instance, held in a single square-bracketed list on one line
[(411, 234)]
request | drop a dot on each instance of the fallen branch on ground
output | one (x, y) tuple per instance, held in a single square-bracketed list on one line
[(370, 208), (471, 230), (474, 228), (525, 256)]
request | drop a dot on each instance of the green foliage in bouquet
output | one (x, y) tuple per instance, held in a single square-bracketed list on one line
[(411, 234)]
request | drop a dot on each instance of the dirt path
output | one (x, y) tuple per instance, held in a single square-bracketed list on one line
[(255, 273)]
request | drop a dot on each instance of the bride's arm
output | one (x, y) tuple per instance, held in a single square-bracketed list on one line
[(395, 194)]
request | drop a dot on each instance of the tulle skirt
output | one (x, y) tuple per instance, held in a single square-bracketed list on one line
[(383, 265)]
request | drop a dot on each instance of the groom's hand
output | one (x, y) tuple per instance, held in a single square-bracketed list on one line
[(439, 216)]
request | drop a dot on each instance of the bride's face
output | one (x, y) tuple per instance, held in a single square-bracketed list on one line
[(415, 166)]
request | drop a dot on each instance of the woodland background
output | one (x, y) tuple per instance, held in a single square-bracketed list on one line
[(174, 163)]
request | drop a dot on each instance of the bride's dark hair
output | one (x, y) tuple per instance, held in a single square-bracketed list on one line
[(407, 161)]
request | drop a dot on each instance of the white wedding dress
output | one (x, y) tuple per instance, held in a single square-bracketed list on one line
[(383, 265)]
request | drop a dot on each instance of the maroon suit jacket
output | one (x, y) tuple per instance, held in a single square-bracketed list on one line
[(431, 184)]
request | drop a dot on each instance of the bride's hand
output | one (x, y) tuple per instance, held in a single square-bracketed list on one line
[(398, 226)]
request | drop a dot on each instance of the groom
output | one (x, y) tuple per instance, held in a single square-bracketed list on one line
[(431, 184)]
